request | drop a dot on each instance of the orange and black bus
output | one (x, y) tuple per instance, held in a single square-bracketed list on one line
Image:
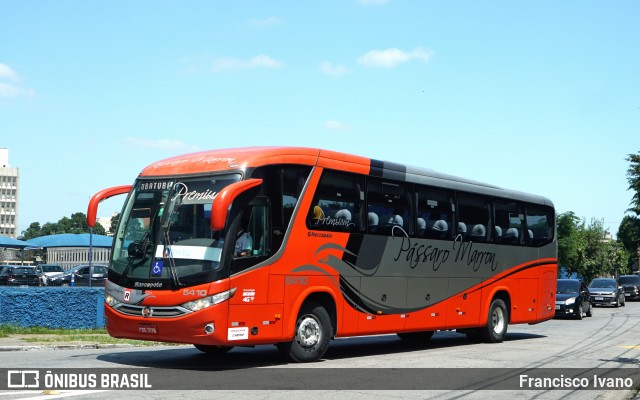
[(296, 246)]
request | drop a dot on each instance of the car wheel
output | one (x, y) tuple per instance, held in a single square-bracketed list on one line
[(589, 312), (579, 312)]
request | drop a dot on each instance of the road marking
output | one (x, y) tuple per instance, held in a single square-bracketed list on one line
[(62, 394), (631, 347)]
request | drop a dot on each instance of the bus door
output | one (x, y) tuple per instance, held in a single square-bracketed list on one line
[(251, 317)]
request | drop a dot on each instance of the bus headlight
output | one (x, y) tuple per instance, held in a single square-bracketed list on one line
[(110, 300), (200, 304)]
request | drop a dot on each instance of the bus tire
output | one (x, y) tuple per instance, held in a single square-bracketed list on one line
[(210, 349), (416, 337), (311, 336), (497, 323)]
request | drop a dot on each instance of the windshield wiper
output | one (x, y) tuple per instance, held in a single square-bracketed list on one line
[(166, 227)]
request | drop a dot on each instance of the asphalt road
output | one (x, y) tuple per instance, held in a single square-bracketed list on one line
[(371, 367)]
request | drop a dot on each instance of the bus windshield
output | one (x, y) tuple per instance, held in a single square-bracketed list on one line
[(164, 238)]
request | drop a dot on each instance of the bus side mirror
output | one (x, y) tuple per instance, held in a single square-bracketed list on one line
[(104, 194), (224, 199)]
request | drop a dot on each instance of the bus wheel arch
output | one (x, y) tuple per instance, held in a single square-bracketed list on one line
[(314, 327), (498, 318)]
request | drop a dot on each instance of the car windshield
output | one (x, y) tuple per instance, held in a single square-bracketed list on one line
[(603, 283), (629, 280), (24, 271), (52, 268), (568, 287)]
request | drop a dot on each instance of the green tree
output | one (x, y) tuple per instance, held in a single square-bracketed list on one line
[(76, 224), (568, 225), (629, 231), (114, 223)]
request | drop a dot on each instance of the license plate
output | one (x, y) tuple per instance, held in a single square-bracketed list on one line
[(599, 298), (148, 328), (557, 307), (627, 294)]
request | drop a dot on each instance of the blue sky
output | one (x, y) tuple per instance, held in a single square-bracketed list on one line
[(538, 96)]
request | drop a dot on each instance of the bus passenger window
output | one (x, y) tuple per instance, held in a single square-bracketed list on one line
[(435, 213), (539, 223), (509, 222), (337, 205), (473, 217), (389, 202)]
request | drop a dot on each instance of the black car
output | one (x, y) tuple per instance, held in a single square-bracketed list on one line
[(631, 285), (572, 299), (79, 276), (16, 275), (606, 292)]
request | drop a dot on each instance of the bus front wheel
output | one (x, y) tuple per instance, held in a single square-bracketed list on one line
[(311, 337), (497, 323)]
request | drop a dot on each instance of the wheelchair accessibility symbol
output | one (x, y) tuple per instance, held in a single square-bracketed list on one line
[(156, 269)]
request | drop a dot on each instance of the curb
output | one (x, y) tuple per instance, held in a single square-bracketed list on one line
[(65, 347)]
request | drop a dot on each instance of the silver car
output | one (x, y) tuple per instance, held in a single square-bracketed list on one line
[(606, 292)]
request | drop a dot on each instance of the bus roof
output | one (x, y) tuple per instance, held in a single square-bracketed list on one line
[(251, 157)]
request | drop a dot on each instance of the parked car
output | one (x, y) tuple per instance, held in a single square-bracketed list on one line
[(606, 292), (631, 286), (80, 276), (46, 271), (572, 299), (18, 275)]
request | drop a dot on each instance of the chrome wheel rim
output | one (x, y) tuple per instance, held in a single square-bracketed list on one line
[(309, 332), (498, 320)]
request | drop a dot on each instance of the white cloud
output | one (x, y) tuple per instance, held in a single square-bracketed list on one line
[(391, 58), (333, 70), (7, 73), (231, 64), (164, 144), (265, 22), (13, 91), (336, 125), (11, 88)]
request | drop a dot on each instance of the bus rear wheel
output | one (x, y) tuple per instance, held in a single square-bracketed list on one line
[(210, 349), (497, 323), (311, 337)]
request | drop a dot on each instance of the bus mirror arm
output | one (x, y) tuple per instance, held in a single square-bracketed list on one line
[(223, 200), (104, 194)]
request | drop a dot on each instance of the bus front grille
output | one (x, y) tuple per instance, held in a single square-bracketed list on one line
[(155, 312)]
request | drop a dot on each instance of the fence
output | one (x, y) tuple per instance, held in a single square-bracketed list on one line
[(52, 307)]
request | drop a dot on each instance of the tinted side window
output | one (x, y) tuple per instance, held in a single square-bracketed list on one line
[(539, 225), (435, 213), (509, 221), (473, 218), (338, 202), (388, 207)]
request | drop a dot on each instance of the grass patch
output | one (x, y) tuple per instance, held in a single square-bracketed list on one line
[(6, 330), (41, 334)]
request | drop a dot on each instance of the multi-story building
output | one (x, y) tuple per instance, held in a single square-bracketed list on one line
[(9, 183)]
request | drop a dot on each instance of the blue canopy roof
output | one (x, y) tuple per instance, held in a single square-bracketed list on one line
[(11, 243), (70, 240)]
